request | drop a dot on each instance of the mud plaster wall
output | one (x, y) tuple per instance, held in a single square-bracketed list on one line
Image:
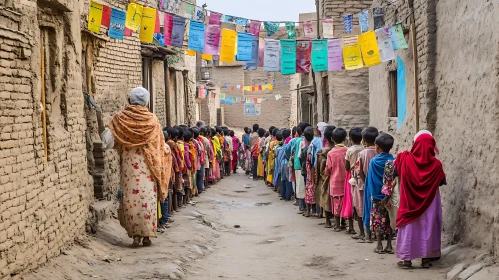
[(467, 119), (43, 205), (348, 90)]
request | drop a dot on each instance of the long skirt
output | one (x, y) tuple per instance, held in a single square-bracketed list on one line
[(260, 171), (309, 187), (235, 161), (357, 201), (216, 169), (300, 185), (138, 209), (422, 237), (346, 209)]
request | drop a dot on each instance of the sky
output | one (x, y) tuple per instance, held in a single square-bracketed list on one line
[(263, 10)]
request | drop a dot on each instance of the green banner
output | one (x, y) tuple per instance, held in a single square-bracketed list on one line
[(288, 57), (319, 55)]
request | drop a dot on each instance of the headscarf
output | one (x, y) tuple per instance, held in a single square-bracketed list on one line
[(136, 127), (426, 132), (140, 96), (420, 175), (322, 127)]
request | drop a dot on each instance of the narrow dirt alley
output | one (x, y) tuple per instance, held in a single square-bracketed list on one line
[(239, 229)]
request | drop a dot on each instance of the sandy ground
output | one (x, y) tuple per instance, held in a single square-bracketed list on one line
[(273, 242)]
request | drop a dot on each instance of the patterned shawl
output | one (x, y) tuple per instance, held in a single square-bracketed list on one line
[(136, 127)]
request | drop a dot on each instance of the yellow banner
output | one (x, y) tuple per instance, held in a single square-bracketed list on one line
[(147, 25), (208, 57), (270, 86), (228, 47), (95, 17), (351, 57), (133, 16), (191, 53), (369, 47)]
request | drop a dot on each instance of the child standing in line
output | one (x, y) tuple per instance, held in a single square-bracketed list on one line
[(380, 221), (355, 137), (368, 138), (335, 168)]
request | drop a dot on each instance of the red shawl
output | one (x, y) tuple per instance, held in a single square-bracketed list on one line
[(420, 175)]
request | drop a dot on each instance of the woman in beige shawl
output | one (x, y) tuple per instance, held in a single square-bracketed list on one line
[(145, 162)]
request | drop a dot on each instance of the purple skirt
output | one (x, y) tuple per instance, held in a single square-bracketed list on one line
[(422, 237)]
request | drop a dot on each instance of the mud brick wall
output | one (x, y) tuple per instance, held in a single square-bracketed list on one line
[(43, 205)]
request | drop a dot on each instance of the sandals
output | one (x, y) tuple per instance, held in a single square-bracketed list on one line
[(337, 229), (389, 251), (350, 232), (357, 237), (377, 251), (404, 264), (146, 242), (136, 241)]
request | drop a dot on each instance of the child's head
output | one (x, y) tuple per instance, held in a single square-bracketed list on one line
[(246, 130), (278, 134), (271, 130), (165, 134), (286, 133), (384, 143), (203, 131), (369, 136), (267, 134), (195, 132), (355, 135), (293, 131), (231, 133), (180, 134), (274, 132), (187, 135), (309, 133), (226, 132), (339, 135), (256, 127), (213, 132), (261, 132), (328, 133), (219, 130), (299, 132)]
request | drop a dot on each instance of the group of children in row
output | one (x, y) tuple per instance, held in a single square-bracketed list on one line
[(330, 173), (201, 156)]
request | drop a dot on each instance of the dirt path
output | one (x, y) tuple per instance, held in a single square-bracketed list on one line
[(273, 242)]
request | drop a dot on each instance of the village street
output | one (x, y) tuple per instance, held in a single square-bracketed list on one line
[(272, 242)]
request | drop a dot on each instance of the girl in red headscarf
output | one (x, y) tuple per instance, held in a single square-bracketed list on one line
[(419, 219)]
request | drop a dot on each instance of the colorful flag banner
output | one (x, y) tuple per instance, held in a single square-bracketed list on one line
[(261, 51), (128, 32), (173, 6), (364, 21), (401, 93), (133, 16), (290, 28), (190, 52), (189, 10), (117, 24), (228, 48), (398, 38), (271, 27), (334, 55), (167, 29), (351, 53), (288, 57), (147, 25), (327, 28), (256, 100), (202, 92), (196, 36), (221, 96), (255, 27), (253, 63), (369, 47), (271, 86), (379, 17), (228, 100), (303, 56), (309, 30), (198, 14), (178, 32), (212, 39), (244, 46), (272, 55), (207, 57), (106, 16), (386, 52), (236, 20), (348, 23), (163, 4), (319, 55), (215, 18), (95, 16)]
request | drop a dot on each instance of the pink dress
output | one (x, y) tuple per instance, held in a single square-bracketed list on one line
[(335, 168)]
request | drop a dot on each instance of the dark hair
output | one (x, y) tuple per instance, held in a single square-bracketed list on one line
[(213, 131), (369, 134), (339, 135), (180, 131), (286, 133), (356, 135), (172, 132), (187, 135), (385, 142), (303, 126), (328, 133), (299, 131), (226, 132), (231, 133), (309, 133), (256, 127), (271, 130), (219, 129), (261, 132), (278, 135), (246, 130), (293, 131), (165, 134), (274, 132), (195, 132), (203, 131), (267, 134), (199, 124)]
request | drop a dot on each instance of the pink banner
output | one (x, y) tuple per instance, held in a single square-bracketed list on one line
[(309, 31), (212, 39), (255, 28), (335, 55), (303, 56), (215, 18), (261, 52), (157, 27), (168, 26)]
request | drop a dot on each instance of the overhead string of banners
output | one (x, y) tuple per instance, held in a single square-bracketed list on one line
[(167, 26)]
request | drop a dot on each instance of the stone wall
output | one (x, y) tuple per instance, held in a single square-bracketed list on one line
[(458, 103), (43, 203)]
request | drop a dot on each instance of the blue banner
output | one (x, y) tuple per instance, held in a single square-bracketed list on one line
[(401, 93), (196, 36), (244, 46), (178, 32), (117, 24), (253, 63)]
